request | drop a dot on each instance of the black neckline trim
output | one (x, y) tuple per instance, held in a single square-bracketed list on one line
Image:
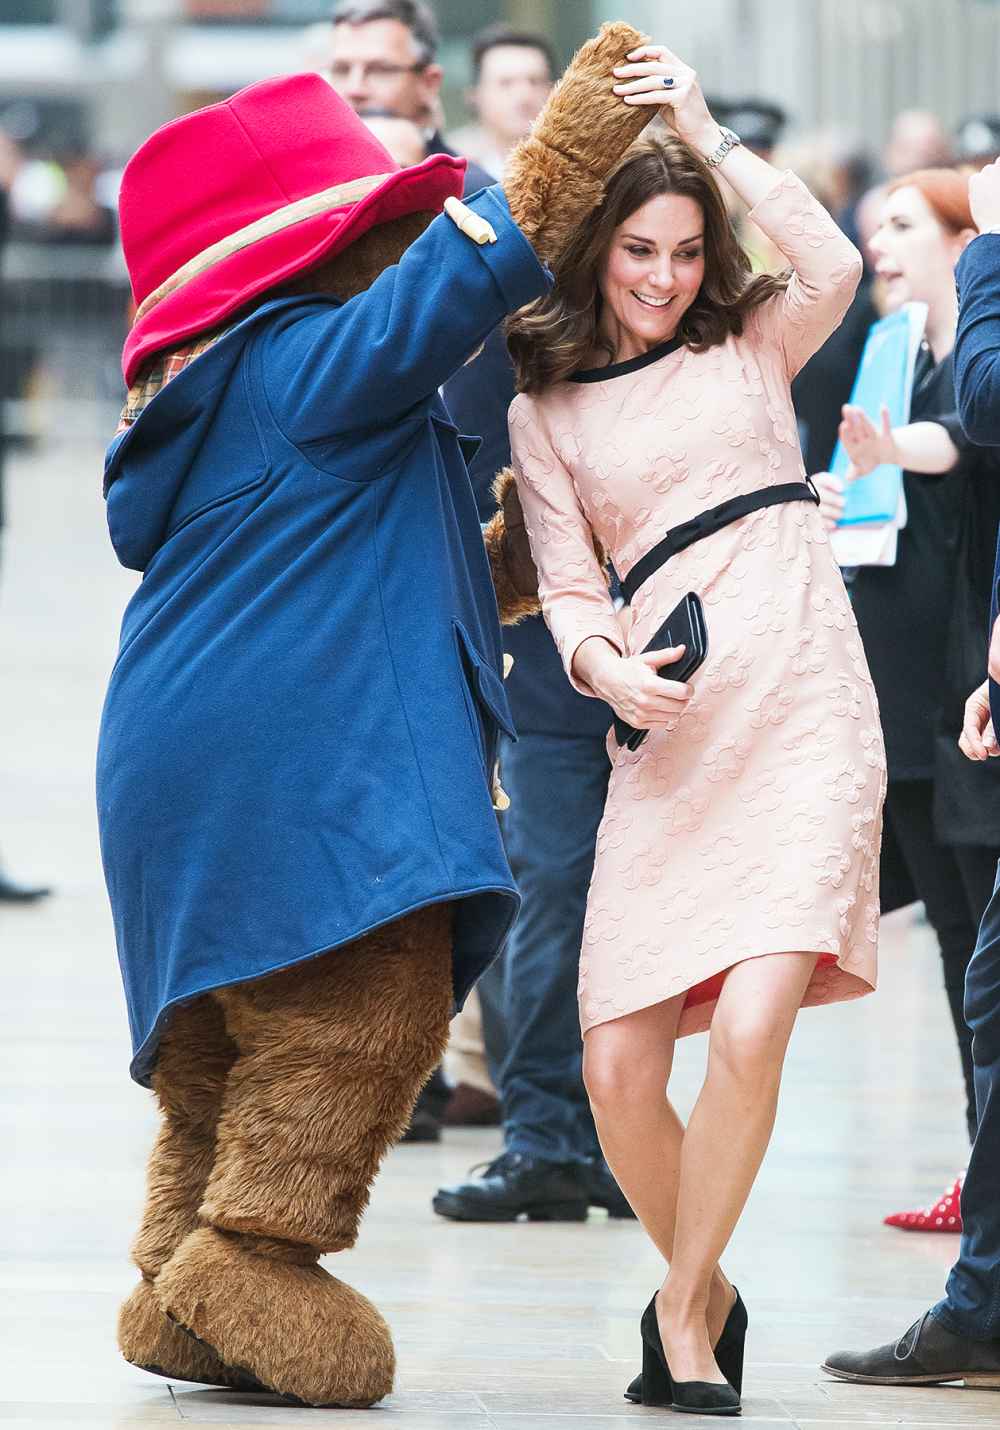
[(619, 369)]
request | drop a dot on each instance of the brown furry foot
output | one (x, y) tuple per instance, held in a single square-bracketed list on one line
[(297, 1329), (147, 1339)]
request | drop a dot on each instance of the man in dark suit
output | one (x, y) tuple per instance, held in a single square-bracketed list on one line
[(959, 1338), (556, 775), (383, 61)]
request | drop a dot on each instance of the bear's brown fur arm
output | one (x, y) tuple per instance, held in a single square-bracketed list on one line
[(515, 578), (555, 177)]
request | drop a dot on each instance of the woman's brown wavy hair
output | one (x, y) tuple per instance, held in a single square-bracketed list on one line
[(555, 335)]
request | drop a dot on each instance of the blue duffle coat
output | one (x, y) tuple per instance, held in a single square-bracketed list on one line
[(298, 736)]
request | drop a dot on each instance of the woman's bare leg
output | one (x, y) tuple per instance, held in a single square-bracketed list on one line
[(626, 1065), (725, 1141)]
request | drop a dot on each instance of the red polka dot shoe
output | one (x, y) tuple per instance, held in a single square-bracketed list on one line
[(944, 1215)]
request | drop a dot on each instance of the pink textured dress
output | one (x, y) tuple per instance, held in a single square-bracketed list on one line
[(753, 825)]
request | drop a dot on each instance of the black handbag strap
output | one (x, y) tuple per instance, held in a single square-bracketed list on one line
[(678, 538)]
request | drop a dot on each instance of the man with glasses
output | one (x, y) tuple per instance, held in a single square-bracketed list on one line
[(384, 57)]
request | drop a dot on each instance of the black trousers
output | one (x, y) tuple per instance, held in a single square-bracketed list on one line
[(955, 882), (972, 1302)]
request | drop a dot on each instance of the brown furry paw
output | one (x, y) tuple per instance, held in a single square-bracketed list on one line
[(297, 1329), (147, 1339), (515, 578), (555, 177)]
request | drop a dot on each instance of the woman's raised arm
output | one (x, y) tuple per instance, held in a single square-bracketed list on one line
[(826, 267)]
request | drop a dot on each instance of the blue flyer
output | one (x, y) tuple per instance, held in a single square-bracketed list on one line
[(885, 377)]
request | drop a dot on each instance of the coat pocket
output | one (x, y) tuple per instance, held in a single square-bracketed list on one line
[(211, 503), (487, 706)]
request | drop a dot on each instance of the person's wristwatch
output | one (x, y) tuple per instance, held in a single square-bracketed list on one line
[(730, 140)]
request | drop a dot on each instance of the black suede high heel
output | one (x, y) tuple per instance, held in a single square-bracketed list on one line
[(655, 1385), (731, 1345), (730, 1349), (693, 1397)]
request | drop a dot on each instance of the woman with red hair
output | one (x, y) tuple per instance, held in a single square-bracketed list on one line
[(922, 620)]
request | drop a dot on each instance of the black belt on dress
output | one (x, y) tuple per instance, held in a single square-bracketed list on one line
[(712, 520)]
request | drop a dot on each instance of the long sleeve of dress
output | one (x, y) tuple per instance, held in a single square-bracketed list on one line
[(571, 585), (826, 270)]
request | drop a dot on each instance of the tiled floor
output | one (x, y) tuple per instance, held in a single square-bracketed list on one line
[(517, 1327)]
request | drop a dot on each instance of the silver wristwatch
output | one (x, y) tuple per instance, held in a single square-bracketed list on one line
[(730, 140)]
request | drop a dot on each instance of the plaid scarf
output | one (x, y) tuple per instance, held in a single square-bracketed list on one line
[(159, 371)]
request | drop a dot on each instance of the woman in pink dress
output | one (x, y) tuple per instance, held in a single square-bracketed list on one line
[(736, 877)]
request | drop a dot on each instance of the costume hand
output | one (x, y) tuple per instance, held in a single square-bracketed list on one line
[(554, 179), (523, 571), (642, 81), (993, 663), (978, 740), (866, 445), (984, 197), (638, 695), (831, 497)]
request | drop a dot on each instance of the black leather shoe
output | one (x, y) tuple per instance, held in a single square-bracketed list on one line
[(11, 893), (435, 1094), (425, 1122), (926, 1354), (603, 1190), (514, 1185), (424, 1127)]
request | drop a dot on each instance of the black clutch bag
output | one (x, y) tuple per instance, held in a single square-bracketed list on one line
[(684, 626)]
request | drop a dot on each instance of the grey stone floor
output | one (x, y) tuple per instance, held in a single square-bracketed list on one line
[(514, 1326)]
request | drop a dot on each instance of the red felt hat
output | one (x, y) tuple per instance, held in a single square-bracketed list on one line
[(224, 203)]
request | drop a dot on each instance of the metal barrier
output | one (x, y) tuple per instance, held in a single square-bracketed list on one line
[(63, 319)]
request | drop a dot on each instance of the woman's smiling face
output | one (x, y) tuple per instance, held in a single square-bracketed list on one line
[(651, 273)]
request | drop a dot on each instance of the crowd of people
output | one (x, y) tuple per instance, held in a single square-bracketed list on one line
[(689, 352)]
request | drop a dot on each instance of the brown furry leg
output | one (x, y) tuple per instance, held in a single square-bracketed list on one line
[(332, 1054), (195, 1057)]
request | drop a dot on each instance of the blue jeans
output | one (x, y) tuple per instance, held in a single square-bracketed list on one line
[(558, 785), (971, 1306)]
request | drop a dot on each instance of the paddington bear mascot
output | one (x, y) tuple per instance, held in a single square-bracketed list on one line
[(296, 752)]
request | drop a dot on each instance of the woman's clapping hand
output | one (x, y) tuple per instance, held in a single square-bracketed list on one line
[(978, 740), (867, 446), (984, 197)]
